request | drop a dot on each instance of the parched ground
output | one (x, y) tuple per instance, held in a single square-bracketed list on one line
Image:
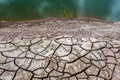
[(55, 27), (55, 49)]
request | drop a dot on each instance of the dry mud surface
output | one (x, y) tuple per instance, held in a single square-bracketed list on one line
[(55, 27), (59, 50)]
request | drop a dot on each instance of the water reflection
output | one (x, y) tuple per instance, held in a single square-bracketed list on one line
[(34, 9), (114, 11)]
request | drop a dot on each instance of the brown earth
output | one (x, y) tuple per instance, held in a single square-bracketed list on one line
[(53, 27), (59, 27)]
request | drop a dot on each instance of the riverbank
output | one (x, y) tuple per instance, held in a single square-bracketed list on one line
[(59, 49), (57, 27)]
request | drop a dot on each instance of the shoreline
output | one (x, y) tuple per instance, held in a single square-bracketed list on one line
[(87, 19), (57, 27), (56, 49)]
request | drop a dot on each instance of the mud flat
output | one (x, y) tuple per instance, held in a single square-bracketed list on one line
[(55, 27), (56, 49)]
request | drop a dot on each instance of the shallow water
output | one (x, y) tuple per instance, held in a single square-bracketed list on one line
[(36, 9)]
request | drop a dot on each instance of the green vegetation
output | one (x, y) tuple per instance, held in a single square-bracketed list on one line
[(41, 41), (66, 13)]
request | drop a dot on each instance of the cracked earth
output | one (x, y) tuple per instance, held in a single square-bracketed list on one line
[(62, 58), (59, 50)]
